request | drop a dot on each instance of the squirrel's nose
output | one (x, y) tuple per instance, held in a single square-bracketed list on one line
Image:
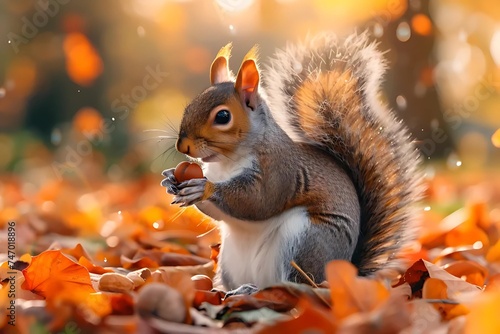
[(182, 145)]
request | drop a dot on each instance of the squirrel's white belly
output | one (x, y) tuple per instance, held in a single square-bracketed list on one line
[(254, 252)]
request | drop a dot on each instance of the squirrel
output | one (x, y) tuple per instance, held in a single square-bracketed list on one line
[(302, 161)]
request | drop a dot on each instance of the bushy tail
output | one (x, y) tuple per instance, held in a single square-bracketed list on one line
[(325, 92)]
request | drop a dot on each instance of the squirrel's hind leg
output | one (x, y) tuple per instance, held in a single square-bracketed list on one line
[(322, 243)]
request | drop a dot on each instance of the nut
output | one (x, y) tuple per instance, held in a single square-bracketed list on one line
[(139, 276), (113, 282), (163, 301), (187, 171)]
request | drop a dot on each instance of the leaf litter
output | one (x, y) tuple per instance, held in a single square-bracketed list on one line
[(144, 266)]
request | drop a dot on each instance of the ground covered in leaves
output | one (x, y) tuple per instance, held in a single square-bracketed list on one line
[(115, 257)]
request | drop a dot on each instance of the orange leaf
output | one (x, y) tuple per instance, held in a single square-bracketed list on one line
[(121, 303), (67, 302), (92, 268), (26, 258), (436, 289), (214, 254), (138, 263), (211, 297), (466, 235), (495, 138), (77, 252), (415, 276), (493, 254), (53, 269), (351, 294), (393, 316), (493, 283), (483, 317), (310, 319), (173, 259), (456, 287), (473, 272), (479, 214)]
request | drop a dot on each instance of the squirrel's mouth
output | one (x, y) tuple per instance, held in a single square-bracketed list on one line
[(210, 158)]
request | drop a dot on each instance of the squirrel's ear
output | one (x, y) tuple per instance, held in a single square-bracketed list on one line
[(219, 71), (247, 81)]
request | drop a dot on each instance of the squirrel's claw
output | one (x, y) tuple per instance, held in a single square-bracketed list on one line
[(169, 174), (169, 182), (190, 192), (245, 289), (187, 200), (171, 189)]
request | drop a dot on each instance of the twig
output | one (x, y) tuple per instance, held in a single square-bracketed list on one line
[(314, 285), (303, 273)]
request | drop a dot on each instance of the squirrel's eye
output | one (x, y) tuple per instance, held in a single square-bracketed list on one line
[(222, 117)]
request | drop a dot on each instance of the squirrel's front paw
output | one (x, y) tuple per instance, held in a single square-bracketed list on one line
[(193, 191), (170, 182)]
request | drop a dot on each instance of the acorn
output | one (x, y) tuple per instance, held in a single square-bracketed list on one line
[(186, 171), (162, 301)]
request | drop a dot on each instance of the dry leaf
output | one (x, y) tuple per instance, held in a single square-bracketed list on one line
[(307, 319), (471, 271), (92, 268), (437, 290), (351, 294), (51, 271), (483, 317)]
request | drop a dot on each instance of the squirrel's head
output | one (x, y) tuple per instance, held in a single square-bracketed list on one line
[(218, 120)]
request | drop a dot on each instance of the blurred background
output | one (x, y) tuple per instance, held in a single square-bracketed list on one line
[(87, 88)]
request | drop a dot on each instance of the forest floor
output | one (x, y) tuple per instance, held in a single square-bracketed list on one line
[(116, 257)]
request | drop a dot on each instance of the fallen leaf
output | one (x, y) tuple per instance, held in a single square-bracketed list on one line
[(390, 317), (483, 317), (282, 298), (121, 304), (203, 269), (211, 297), (415, 276), (493, 254), (306, 319), (424, 318), (421, 270), (466, 236), (437, 290), (456, 287), (173, 259), (471, 271), (352, 294), (92, 268), (214, 254), (138, 263), (77, 252), (52, 270)]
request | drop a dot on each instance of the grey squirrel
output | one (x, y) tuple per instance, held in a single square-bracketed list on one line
[(301, 162)]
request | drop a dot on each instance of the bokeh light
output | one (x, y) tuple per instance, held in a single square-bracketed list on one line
[(119, 69)]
